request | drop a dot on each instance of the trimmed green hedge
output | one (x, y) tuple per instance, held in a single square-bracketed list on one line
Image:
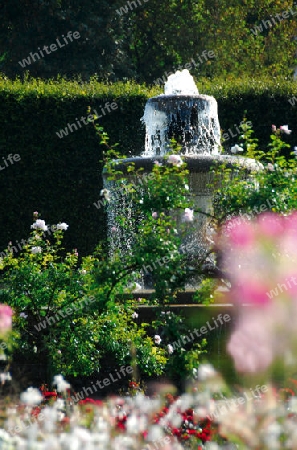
[(61, 178)]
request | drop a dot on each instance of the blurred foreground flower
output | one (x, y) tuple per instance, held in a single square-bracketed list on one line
[(259, 258), (61, 384), (31, 397)]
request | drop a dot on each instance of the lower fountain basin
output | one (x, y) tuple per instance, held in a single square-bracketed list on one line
[(195, 163)]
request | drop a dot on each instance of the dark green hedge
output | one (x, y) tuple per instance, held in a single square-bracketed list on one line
[(61, 178)]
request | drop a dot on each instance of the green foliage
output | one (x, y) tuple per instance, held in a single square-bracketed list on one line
[(185, 355), (75, 315), (271, 188), (168, 36), (99, 49), (58, 319), (145, 39)]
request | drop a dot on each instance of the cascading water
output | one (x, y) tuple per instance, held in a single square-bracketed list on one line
[(184, 115), (192, 120)]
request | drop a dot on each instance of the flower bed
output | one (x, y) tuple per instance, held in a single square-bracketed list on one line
[(206, 417)]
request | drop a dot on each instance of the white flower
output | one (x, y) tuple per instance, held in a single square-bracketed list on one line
[(23, 315), (205, 371), (236, 149), (36, 249), (39, 225), (157, 163), (62, 226), (270, 167), (285, 129), (106, 194), (31, 397), (134, 315), (157, 339), (5, 376), (61, 384), (170, 349), (175, 160), (187, 187), (188, 215)]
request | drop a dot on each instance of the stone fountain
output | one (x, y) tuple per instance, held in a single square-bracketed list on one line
[(181, 113)]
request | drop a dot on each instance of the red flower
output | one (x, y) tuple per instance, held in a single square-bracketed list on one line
[(35, 411), (47, 394), (90, 400)]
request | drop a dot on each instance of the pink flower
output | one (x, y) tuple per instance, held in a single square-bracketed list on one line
[(273, 127), (157, 163), (113, 229), (154, 215), (285, 129), (5, 318), (175, 160), (270, 167), (188, 215), (239, 232), (249, 291), (252, 344), (270, 225)]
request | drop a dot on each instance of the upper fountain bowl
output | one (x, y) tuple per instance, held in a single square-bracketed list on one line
[(184, 115), (192, 120)]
